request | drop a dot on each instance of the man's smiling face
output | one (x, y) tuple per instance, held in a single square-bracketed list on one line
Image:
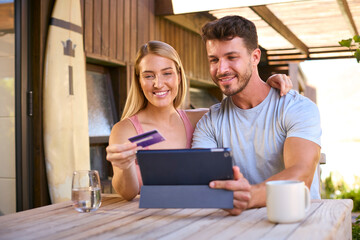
[(230, 64)]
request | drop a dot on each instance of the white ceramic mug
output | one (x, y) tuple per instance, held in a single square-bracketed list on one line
[(287, 201)]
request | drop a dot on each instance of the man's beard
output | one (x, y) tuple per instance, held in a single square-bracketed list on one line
[(243, 80)]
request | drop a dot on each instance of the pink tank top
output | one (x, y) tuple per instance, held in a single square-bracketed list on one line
[(188, 126)]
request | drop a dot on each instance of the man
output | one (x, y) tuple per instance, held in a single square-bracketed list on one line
[(272, 137)]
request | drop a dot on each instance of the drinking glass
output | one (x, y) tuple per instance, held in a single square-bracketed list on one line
[(86, 190)]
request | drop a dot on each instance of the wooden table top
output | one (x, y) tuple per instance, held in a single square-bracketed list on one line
[(119, 219)]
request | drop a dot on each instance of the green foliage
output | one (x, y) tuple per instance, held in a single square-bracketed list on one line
[(346, 42), (355, 231), (329, 188), (332, 190), (355, 196), (352, 42), (341, 191), (357, 55), (357, 38)]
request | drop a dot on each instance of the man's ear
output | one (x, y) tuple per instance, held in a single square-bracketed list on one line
[(256, 56)]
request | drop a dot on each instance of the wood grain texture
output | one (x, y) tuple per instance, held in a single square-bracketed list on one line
[(96, 27), (119, 29), (7, 17), (133, 31), (105, 27), (115, 29), (112, 29), (88, 25), (117, 218)]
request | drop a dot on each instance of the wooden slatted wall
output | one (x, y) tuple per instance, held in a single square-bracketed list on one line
[(189, 46), (115, 29)]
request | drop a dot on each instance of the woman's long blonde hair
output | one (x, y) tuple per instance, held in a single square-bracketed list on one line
[(136, 99)]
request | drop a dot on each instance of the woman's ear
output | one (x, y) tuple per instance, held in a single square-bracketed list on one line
[(179, 76)]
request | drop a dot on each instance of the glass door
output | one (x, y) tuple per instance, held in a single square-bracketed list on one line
[(7, 109)]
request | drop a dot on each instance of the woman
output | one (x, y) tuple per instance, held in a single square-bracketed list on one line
[(157, 90)]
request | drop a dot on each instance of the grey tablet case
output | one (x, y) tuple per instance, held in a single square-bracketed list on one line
[(179, 178)]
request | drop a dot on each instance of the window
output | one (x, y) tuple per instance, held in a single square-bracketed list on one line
[(101, 105), (102, 116), (7, 109)]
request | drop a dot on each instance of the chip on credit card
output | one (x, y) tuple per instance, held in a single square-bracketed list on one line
[(147, 138)]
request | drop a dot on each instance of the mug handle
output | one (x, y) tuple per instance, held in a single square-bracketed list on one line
[(307, 199)]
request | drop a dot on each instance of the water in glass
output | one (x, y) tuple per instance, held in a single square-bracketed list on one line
[(86, 199), (86, 190)]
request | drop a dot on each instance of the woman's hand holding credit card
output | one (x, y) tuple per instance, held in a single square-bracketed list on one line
[(123, 155), (147, 138)]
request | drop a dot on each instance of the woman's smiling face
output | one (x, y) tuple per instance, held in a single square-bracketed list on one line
[(159, 80)]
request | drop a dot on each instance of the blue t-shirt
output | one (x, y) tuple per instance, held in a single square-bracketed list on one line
[(257, 135)]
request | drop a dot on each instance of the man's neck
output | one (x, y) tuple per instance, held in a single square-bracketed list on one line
[(254, 93)]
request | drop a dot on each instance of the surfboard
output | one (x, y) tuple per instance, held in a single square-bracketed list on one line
[(65, 112)]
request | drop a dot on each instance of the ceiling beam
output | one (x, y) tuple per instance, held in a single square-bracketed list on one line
[(191, 21), (345, 11), (163, 7), (281, 28)]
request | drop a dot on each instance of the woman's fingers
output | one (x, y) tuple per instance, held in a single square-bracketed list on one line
[(122, 155)]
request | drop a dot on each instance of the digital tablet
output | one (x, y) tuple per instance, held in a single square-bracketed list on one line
[(185, 166)]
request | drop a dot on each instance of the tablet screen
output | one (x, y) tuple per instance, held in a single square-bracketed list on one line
[(185, 166)]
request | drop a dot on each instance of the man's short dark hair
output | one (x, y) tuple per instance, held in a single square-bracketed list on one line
[(228, 27)]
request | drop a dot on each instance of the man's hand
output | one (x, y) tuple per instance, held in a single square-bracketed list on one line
[(241, 188)]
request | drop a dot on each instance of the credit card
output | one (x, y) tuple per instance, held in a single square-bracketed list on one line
[(147, 138)]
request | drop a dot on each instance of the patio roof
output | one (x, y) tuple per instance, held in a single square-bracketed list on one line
[(290, 31)]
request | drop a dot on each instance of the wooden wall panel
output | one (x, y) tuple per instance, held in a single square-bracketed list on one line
[(143, 23), (115, 29), (97, 28), (105, 28), (152, 20), (120, 28), (188, 44), (88, 25), (133, 30), (126, 32)]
